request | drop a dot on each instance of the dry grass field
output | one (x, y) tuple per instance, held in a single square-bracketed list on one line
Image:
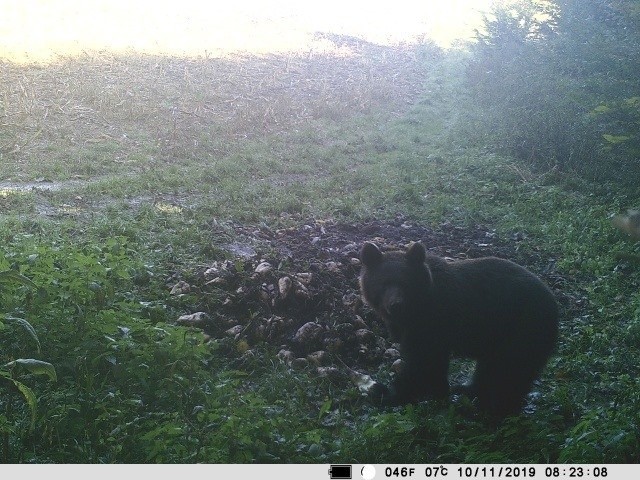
[(99, 114)]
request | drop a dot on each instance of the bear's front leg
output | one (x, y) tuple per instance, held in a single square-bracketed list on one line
[(416, 382), (382, 395)]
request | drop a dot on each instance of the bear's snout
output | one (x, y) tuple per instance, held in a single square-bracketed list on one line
[(393, 302)]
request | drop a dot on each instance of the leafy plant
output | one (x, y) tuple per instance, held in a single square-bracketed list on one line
[(10, 370)]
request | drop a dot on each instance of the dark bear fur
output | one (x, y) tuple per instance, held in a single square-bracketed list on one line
[(487, 309)]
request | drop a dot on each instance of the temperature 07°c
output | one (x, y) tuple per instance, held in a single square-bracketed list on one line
[(435, 472), (399, 471)]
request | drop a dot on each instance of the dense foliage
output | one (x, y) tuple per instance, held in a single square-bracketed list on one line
[(558, 83)]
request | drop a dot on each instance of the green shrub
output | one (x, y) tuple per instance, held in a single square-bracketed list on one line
[(556, 83)]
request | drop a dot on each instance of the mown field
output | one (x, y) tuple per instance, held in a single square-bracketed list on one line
[(135, 190)]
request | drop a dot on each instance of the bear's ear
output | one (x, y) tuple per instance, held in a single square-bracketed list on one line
[(370, 255), (416, 255)]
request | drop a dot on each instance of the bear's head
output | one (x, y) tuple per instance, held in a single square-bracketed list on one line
[(394, 284)]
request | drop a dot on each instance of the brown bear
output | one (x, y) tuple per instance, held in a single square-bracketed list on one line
[(487, 309)]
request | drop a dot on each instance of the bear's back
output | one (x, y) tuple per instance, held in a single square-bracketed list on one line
[(492, 299)]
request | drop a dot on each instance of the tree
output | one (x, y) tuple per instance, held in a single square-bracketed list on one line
[(557, 81)]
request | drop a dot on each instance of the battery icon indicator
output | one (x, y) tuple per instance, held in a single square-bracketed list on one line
[(337, 472)]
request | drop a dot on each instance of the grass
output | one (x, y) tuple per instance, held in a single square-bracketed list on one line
[(155, 155)]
